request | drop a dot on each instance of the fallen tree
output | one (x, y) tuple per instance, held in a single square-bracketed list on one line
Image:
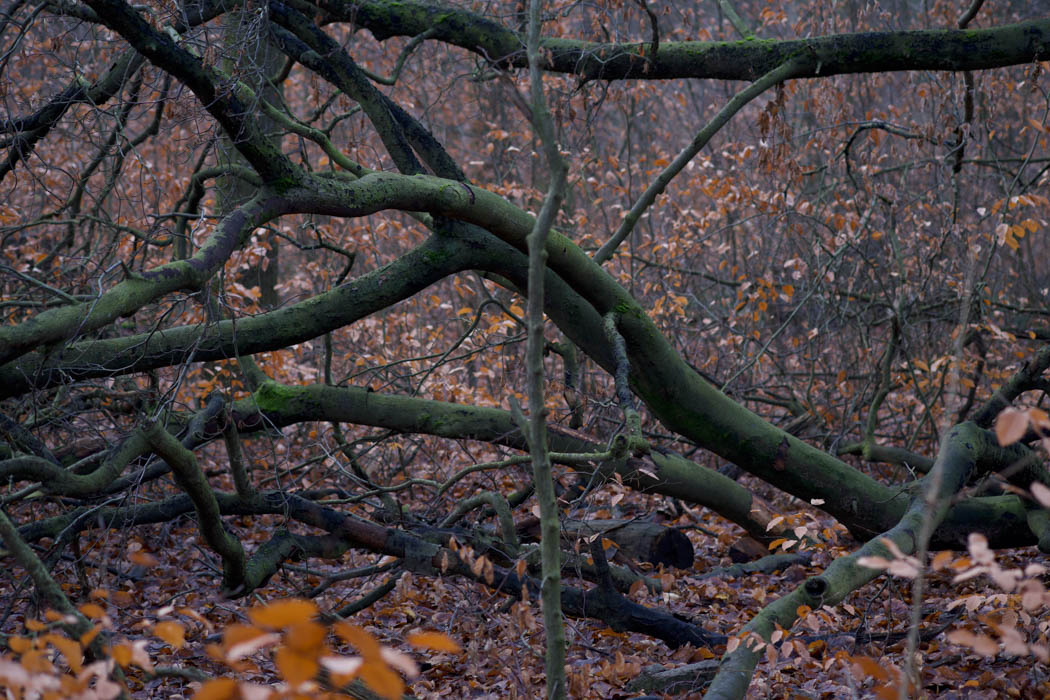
[(155, 345)]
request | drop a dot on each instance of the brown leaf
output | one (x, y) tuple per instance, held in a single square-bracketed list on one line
[(171, 632), (1010, 425), (283, 613), (437, 641)]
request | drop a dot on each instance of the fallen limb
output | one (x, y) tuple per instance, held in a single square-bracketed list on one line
[(961, 450)]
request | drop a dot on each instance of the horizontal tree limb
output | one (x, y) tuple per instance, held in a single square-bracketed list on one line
[(867, 52)]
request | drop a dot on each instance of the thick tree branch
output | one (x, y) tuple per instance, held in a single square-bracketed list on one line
[(868, 52), (225, 104), (962, 449), (139, 289)]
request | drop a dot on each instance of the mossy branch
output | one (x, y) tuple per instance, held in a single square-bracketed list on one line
[(191, 479)]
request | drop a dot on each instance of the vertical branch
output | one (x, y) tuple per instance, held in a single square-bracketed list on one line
[(623, 370), (550, 594), (962, 132), (241, 478), (191, 479), (885, 382)]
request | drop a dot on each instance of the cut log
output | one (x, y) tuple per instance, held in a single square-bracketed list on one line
[(636, 539)]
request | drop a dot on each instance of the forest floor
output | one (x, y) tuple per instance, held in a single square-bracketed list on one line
[(164, 572)]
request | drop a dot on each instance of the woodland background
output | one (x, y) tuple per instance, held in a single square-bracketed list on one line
[(264, 291)]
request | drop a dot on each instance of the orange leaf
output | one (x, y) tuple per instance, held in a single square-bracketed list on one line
[(283, 613), (362, 640), (236, 634), (70, 649), (305, 637), (89, 636), (435, 641), (381, 679), (870, 667), (218, 689), (1011, 425), (294, 667), (171, 632), (143, 559), (36, 662), (121, 653), (941, 560), (19, 645)]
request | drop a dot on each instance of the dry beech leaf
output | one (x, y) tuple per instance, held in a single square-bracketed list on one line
[(381, 679), (1010, 425), (401, 661), (283, 613), (874, 562), (294, 667), (171, 632), (941, 560), (254, 691), (99, 674), (141, 558), (903, 568), (359, 638), (1041, 493), (342, 665), (437, 641), (218, 689), (980, 643), (140, 657), (978, 547), (240, 650)]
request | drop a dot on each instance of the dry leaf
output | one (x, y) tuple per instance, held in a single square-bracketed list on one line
[(437, 641), (1010, 425), (283, 613)]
